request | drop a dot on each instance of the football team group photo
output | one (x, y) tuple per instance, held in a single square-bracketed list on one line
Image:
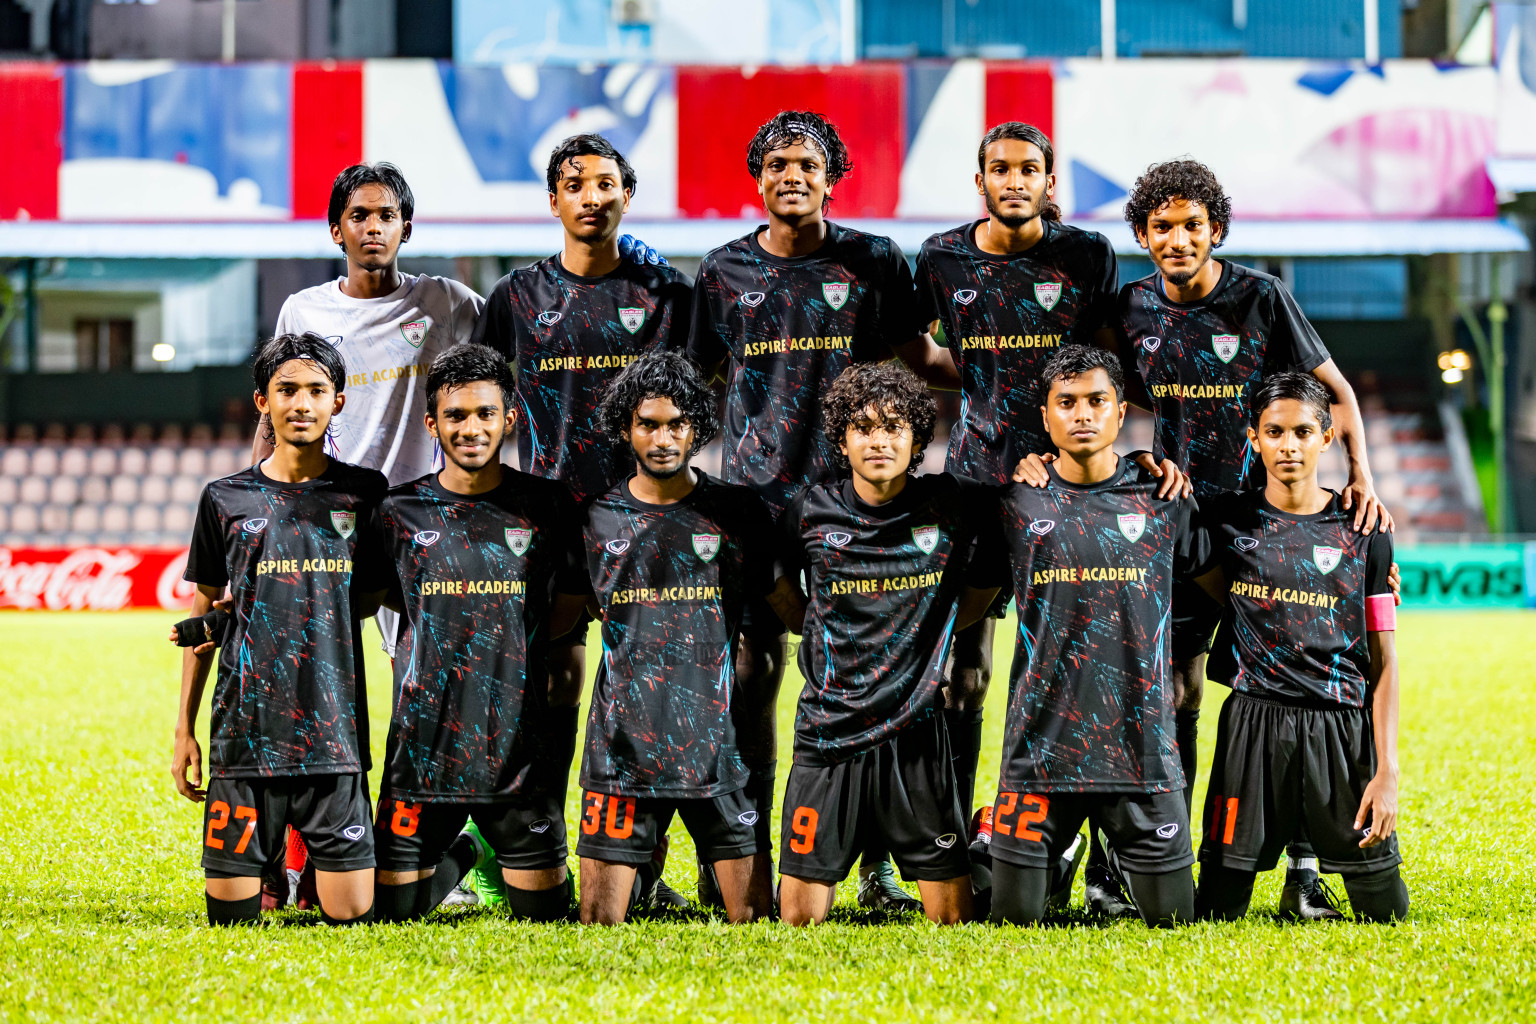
[(523, 485)]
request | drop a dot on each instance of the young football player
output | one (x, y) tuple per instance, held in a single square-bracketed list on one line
[(779, 313), (288, 731), (1090, 731), (673, 557), (571, 322), (1307, 742), (894, 564), (1205, 334), (487, 565)]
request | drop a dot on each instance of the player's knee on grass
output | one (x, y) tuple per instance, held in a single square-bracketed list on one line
[(1224, 893), (1381, 896), (1165, 899), (366, 917), (224, 913), (394, 903), (1018, 894), (553, 904)]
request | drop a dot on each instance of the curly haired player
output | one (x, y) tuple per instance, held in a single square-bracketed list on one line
[(893, 564)]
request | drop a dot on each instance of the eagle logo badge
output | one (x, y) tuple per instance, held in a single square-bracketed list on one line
[(1326, 559), (1225, 346), (1048, 293), (414, 331), (631, 317), (926, 538), (518, 539), (706, 546), (344, 522), (1133, 525), (836, 293)]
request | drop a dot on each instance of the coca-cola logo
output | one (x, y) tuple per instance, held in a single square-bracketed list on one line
[(172, 591), (85, 578)]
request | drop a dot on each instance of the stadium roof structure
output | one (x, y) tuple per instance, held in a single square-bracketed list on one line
[(685, 238)]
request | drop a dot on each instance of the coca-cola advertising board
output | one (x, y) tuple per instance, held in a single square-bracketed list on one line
[(94, 578)]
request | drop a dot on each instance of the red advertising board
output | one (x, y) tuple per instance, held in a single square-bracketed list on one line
[(94, 578)]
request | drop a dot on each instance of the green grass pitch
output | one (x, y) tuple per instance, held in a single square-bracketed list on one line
[(101, 910)]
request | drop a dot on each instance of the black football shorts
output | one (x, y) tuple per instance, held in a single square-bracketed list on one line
[(625, 829), (245, 823), (577, 637), (899, 796), (1195, 618), (527, 832), (1149, 832), (760, 622), (1284, 772)]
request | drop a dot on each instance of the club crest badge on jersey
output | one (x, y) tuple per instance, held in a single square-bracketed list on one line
[(631, 317), (1133, 525), (1041, 527), (926, 538), (836, 293), (549, 317), (965, 296), (752, 298), (1325, 558), (1048, 293), (414, 331), (1246, 543), (518, 539), (426, 538), (1150, 345), (1225, 346), (837, 538), (617, 547), (254, 525), (706, 546), (344, 522)]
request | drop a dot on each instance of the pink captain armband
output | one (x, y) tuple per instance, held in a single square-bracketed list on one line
[(1380, 613)]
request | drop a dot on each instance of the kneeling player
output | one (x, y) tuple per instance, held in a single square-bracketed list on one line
[(1089, 731), (894, 565), (288, 740), (480, 553), (1307, 742), (673, 557)]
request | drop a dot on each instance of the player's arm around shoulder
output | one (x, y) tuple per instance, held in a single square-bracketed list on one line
[(1378, 805)]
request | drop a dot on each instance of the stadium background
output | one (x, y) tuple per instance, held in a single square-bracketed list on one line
[(163, 190)]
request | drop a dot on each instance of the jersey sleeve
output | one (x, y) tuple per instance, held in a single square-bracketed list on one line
[(1378, 564), (466, 304), (897, 310), (1292, 333), (707, 345), (925, 301), (494, 324), (760, 562), (286, 318), (570, 560), (1106, 298), (988, 568), (205, 558), (677, 296), (790, 561), (1193, 552)]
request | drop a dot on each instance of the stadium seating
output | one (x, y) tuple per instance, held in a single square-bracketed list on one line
[(113, 485)]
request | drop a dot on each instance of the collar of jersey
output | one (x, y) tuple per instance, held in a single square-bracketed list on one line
[(627, 496), (1333, 507), (407, 282), (303, 485), (1221, 286), (437, 488), (1004, 257), (904, 501), (1117, 478), (793, 261)]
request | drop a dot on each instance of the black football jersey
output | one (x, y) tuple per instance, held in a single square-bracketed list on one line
[(1003, 317), (476, 575), (671, 581), (289, 697), (1090, 701), (569, 336), (1294, 628), (884, 583), (1201, 362), (786, 328)]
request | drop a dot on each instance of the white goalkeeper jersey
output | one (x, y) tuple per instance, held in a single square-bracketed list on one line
[(387, 343)]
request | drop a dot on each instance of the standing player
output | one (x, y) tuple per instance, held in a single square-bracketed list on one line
[(571, 322), (1308, 740), (289, 728), (779, 313), (673, 557), (893, 565), (1090, 710), (488, 565), (1009, 290), (1205, 333)]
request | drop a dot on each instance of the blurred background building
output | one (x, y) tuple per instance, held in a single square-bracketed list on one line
[(169, 163)]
